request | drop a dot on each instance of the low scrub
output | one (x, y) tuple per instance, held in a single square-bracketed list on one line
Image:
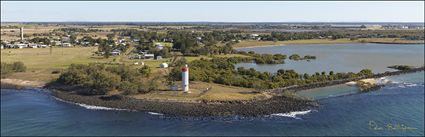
[(223, 71), (10, 68), (99, 79)]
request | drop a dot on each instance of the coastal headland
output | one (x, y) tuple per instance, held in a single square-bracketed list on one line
[(281, 100), (138, 67)]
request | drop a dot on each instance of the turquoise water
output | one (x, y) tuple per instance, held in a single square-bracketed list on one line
[(35, 112), (342, 57)]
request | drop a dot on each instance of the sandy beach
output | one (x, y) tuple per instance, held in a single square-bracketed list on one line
[(13, 83)]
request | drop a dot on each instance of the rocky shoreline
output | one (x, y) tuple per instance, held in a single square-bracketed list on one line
[(338, 82), (276, 104)]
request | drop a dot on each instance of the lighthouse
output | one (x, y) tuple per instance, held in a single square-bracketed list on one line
[(185, 79)]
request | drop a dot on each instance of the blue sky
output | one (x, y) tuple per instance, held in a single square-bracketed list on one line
[(215, 11)]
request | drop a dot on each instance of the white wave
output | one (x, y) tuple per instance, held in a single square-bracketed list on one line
[(383, 81), (91, 106), (292, 114), (154, 113), (394, 83), (411, 84), (351, 83), (98, 107)]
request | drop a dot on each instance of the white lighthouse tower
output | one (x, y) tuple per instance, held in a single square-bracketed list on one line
[(185, 79)]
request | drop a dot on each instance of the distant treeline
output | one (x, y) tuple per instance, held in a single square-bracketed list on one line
[(352, 34), (74, 30)]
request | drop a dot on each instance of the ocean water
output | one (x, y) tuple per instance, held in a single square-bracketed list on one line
[(343, 112), (342, 57)]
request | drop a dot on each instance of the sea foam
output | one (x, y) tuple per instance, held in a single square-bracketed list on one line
[(292, 114), (154, 113), (92, 107)]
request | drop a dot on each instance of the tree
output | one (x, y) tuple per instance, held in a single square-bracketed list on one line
[(72, 38), (145, 71), (106, 49)]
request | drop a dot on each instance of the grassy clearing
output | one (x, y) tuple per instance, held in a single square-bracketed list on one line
[(39, 59), (391, 40), (40, 63), (199, 92)]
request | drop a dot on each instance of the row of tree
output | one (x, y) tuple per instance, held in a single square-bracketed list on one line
[(99, 79), (342, 33), (223, 71)]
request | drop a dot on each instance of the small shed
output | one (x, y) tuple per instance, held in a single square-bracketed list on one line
[(66, 45), (163, 65), (159, 47), (116, 52), (21, 46), (33, 46), (149, 56)]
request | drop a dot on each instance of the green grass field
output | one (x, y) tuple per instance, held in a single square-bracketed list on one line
[(40, 62)]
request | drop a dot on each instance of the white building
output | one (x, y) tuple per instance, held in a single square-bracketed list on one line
[(148, 56), (115, 52), (159, 47), (66, 45), (21, 46), (43, 46), (163, 65), (33, 46)]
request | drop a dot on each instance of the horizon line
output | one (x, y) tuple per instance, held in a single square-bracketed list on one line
[(211, 22)]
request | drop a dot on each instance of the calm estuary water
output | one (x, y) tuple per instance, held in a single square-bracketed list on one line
[(342, 111), (342, 57)]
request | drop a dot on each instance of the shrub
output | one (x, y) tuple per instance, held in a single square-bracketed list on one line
[(56, 72), (99, 79), (19, 67), (8, 69)]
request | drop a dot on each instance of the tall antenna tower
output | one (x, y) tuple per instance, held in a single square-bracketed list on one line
[(22, 34)]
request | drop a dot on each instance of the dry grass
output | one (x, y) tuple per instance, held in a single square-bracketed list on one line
[(40, 58), (391, 40), (199, 91), (40, 63)]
